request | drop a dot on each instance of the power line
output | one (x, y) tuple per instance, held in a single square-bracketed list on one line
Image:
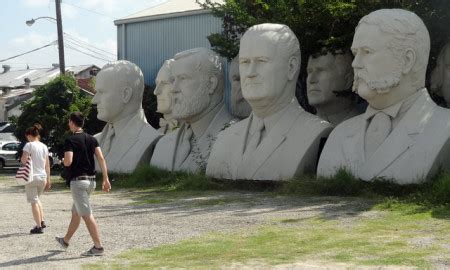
[(92, 11), (73, 44), (83, 43), (15, 56), (91, 55)]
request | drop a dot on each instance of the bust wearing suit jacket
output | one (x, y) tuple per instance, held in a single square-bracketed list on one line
[(198, 103), (279, 139), (403, 136), (127, 139)]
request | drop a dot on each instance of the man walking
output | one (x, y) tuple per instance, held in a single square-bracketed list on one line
[(79, 151)]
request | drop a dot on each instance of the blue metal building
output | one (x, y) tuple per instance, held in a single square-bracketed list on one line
[(151, 36)]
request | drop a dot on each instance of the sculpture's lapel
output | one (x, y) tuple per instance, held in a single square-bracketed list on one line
[(268, 145), (353, 144), (123, 144), (173, 148), (400, 140)]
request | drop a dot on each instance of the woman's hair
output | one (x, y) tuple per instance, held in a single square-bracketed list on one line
[(34, 131)]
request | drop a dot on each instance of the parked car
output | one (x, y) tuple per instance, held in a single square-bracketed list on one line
[(8, 156), (8, 152)]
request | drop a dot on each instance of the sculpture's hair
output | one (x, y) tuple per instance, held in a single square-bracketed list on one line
[(437, 76), (166, 66), (284, 37), (343, 63), (132, 75), (407, 31), (208, 62)]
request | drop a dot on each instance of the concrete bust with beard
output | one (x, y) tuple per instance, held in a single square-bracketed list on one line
[(440, 77), (279, 139), (403, 135), (328, 75), (127, 139), (198, 103), (163, 92)]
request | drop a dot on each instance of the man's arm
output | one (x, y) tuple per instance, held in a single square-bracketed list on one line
[(68, 158), (48, 185), (106, 185)]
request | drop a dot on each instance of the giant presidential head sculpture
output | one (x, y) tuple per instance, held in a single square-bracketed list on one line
[(278, 139), (402, 125), (127, 139), (440, 77), (239, 106), (198, 87), (163, 92), (329, 75)]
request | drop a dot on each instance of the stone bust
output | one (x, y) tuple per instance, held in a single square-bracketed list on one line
[(163, 93), (198, 88), (239, 106), (328, 75), (279, 139), (440, 77), (127, 139), (402, 126)]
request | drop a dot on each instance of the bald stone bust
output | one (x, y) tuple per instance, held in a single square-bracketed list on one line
[(198, 89), (127, 139), (403, 135), (440, 77), (163, 93), (240, 108), (279, 139), (328, 75)]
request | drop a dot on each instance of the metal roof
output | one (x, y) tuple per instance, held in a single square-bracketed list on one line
[(38, 77), (167, 9)]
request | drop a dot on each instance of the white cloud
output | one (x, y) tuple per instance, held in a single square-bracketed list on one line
[(35, 3), (69, 12), (32, 40)]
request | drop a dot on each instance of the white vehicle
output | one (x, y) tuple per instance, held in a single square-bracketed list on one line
[(8, 153)]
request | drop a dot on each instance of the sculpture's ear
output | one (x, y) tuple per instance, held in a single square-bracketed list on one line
[(348, 80), (409, 60), (127, 93), (212, 84), (294, 65)]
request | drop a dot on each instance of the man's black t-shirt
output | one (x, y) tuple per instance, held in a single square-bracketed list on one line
[(83, 147)]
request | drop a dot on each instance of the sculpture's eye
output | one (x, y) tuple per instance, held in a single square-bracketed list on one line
[(244, 61)]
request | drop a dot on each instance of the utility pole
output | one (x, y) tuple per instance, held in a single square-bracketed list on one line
[(62, 65)]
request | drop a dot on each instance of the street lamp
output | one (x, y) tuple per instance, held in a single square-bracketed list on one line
[(62, 65)]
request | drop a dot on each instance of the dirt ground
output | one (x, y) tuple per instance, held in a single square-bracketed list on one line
[(125, 225)]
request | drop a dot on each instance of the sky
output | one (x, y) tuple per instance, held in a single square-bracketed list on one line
[(88, 26)]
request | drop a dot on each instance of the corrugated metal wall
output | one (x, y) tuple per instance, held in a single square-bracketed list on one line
[(148, 44)]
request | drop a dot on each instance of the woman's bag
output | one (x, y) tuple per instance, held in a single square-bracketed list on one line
[(24, 174)]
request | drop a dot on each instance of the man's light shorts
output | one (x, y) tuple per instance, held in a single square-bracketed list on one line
[(81, 191), (35, 189)]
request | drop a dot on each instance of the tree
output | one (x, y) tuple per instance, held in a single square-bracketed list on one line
[(320, 25), (51, 105)]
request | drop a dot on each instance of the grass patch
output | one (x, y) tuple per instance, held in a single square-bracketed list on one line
[(384, 240)]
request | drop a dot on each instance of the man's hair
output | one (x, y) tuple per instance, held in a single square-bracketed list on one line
[(133, 75), (77, 118), (208, 62), (437, 76), (283, 37), (407, 31)]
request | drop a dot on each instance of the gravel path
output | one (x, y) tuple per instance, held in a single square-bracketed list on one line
[(125, 225)]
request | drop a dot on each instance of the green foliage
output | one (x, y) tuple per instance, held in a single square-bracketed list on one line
[(150, 104), (321, 24), (51, 104)]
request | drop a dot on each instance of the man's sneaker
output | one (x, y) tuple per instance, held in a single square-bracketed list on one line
[(93, 252), (43, 226), (61, 242), (36, 230)]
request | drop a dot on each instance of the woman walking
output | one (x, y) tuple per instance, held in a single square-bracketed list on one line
[(41, 175)]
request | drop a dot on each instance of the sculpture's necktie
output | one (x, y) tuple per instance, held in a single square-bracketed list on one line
[(184, 147), (107, 145), (255, 140), (379, 128)]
